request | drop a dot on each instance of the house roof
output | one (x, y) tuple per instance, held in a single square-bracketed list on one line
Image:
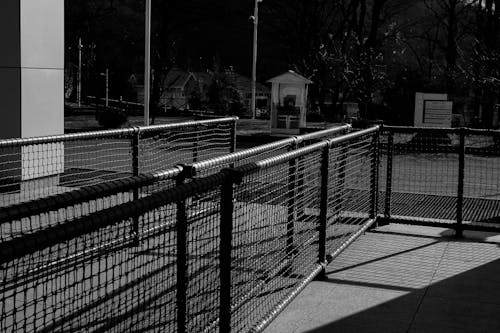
[(136, 79), (177, 78), (244, 84), (290, 77), (204, 78)]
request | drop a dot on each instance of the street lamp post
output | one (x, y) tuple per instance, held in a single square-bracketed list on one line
[(254, 60), (106, 74), (79, 87), (147, 62)]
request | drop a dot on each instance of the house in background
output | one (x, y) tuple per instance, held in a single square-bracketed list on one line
[(243, 85), (136, 82), (177, 88), (179, 85)]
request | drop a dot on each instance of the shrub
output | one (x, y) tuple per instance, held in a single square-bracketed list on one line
[(109, 118), (315, 117)]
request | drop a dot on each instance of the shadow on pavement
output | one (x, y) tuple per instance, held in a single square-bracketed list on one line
[(463, 295)]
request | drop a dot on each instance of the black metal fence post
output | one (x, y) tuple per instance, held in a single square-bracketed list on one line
[(340, 183), (291, 211), (460, 192), (181, 246), (232, 142), (388, 179), (374, 175), (323, 214), (136, 136), (226, 239)]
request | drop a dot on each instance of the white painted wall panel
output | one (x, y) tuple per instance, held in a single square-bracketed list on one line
[(42, 100), (42, 114), (42, 33)]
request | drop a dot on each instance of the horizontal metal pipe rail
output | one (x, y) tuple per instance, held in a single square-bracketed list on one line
[(26, 244), (93, 192), (314, 147), (198, 167), (455, 130), (83, 194), (124, 132)]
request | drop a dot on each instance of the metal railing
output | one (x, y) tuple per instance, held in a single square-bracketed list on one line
[(224, 251), (227, 251), (111, 193), (441, 177), (32, 168)]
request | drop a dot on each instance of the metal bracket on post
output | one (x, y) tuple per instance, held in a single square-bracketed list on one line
[(460, 192), (135, 172), (388, 184), (225, 248), (323, 214)]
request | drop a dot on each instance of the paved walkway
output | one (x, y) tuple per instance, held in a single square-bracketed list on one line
[(390, 282)]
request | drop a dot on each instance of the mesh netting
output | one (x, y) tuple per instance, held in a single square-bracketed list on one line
[(350, 190), (99, 281), (275, 236), (156, 260), (424, 174), (482, 179), (117, 270), (185, 145), (38, 167)]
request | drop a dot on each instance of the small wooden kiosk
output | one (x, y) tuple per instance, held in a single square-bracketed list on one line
[(288, 103)]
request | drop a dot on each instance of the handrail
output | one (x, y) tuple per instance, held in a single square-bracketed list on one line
[(124, 132), (234, 157), (30, 243), (57, 201), (455, 130), (314, 147)]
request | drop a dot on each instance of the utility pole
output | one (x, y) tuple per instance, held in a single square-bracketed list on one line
[(106, 74), (79, 86), (107, 87), (147, 62), (254, 60)]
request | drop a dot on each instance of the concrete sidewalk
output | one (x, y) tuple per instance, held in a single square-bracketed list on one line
[(390, 282)]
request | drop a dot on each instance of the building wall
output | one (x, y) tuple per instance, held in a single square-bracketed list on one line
[(32, 81)]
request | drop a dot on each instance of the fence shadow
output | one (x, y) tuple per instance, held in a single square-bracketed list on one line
[(463, 294)]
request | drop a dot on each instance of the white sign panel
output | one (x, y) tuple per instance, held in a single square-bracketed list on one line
[(420, 99), (437, 113)]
